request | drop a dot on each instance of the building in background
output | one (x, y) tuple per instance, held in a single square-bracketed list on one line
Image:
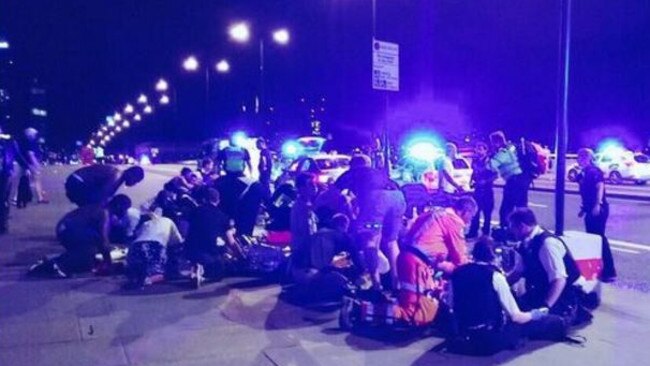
[(7, 86)]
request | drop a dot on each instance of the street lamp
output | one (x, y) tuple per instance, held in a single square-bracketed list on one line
[(162, 85), (4, 44), (191, 64), (240, 32), (128, 109), (164, 99), (142, 99), (137, 117), (281, 36), (222, 66), (118, 129), (116, 117), (126, 124), (147, 109)]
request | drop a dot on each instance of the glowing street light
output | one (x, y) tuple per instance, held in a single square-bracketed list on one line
[(100, 134), (116, 117), (142, 99), (281, 36), (112, 134), (162, 85), (240, 32), (223, 66), (128, 109), (104, 128), (117, 129), (126, 124), (164, 99), (4, 44), (137, 117), (191, 64), (147, 109)]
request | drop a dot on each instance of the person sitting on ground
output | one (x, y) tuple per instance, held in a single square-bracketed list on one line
[(147, 256), (207, 224), (328, 242), (439, 234), (207, 172), (83, 233), (123, 219), (487, 316), (330, 202), (550, 271)]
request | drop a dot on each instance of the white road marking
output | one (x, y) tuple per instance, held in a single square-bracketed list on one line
[(625, 250), (626, 244), (539, 205)]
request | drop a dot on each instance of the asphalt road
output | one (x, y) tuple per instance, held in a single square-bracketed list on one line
[(91, 321)]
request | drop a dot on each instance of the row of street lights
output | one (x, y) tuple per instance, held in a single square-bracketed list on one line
[(121, 121)]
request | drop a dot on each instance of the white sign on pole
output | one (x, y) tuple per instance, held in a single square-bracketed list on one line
[(385, 65)]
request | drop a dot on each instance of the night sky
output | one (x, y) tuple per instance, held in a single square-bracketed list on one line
[(466, 66)]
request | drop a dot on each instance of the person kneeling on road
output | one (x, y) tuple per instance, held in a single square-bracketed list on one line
[(486, 315), (550, 271), (439, 234), (207, 224), (147, 257)]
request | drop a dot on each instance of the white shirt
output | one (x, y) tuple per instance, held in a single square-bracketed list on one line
[(551, 255), (446, 165), (132, 220), (161, 230)]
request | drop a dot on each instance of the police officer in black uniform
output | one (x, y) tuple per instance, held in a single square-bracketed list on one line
[(549, 269)]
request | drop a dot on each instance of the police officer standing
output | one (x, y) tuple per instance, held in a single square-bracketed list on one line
[(235, 159)]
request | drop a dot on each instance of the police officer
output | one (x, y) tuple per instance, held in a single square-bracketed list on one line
[(235, 159), (8, 152), (486, 313), (549, 268)]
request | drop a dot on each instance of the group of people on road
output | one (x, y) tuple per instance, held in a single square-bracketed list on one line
[(18, 186), (357, 227)]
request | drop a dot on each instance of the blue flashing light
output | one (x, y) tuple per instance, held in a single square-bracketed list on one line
[(292, 148), (424, 148)]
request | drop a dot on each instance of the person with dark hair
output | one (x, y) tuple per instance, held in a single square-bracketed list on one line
[(595, 208), (96, 184), (303, 220), (506, 162), (124, 219), (438, 234), (549, 268), (353, 179), (207, 223), (207, 172), (483, 177), (486, 313)]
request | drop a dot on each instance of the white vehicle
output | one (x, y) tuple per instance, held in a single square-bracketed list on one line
[(619, 167), (462, 175), (326, 167)]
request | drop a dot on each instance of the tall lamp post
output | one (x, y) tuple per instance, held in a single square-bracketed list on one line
[(191, 64), (241, 33), (562, 114)]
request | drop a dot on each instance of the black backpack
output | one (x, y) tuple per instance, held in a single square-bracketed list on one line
[(529, 159)]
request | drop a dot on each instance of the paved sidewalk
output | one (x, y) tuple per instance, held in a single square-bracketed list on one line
[(242, 321)]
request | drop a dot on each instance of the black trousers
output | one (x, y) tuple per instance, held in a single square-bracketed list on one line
[(485, 200), (515, 194), (597, 225), (5, 190)]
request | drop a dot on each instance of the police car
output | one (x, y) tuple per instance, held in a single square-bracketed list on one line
[(326, 167), (619, 167)]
